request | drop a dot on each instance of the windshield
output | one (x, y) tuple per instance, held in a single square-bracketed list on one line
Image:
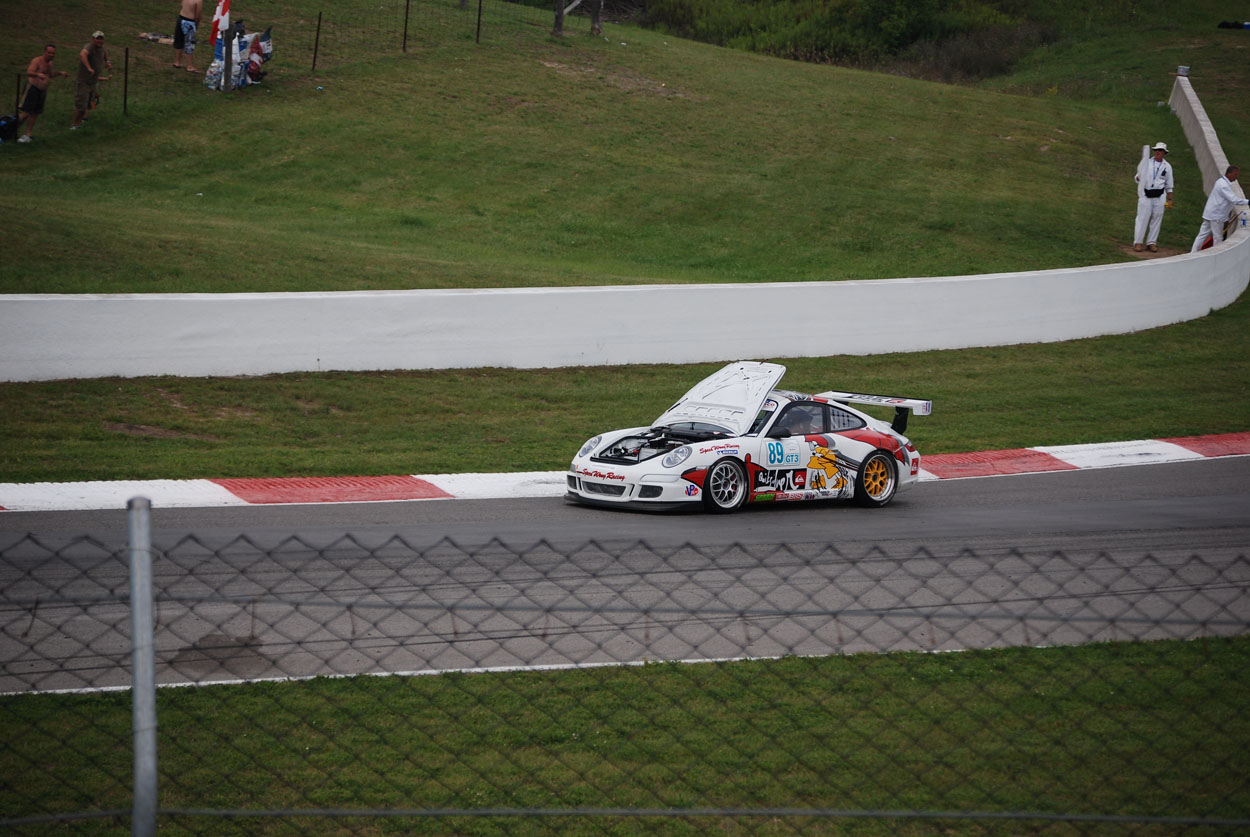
[(698, 428), (761, 418)]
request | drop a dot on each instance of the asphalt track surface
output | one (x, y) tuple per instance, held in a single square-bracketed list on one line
[(1046, 558), (1182, 505)]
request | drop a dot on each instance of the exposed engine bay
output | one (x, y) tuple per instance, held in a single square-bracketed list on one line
[(657, 441)]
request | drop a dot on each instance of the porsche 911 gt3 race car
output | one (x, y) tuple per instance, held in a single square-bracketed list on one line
[(735, 439)]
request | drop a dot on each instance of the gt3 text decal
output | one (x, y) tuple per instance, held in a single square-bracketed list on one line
[(777, 455)]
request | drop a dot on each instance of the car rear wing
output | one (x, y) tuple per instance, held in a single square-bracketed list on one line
[(902, 406)]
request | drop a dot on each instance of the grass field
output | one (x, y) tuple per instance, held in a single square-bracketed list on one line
[(1114, 729), (531, 160)]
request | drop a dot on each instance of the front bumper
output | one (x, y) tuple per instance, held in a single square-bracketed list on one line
[(639, 505), (615, 489)]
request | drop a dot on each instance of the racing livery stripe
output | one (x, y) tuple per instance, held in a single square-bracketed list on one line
[(699, 475), (331, 489)]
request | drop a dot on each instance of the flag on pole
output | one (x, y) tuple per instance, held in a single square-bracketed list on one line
[(221, 24)]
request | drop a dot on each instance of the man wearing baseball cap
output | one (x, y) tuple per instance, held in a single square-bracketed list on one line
[(1154, 193), (92, 62)]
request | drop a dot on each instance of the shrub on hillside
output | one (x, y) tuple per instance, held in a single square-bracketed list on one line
[(934, 38), (975, 55)]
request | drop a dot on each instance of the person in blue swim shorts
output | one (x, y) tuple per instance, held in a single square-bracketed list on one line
[(184, 34)]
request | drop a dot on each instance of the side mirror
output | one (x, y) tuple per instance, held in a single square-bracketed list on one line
[(779, 433)]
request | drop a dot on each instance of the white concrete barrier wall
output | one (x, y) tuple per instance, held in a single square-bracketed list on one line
[(50, 336), (1199, 131)]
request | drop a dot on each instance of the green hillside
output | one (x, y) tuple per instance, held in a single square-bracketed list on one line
[(530, 160)]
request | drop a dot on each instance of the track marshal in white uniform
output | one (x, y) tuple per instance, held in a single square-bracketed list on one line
[(1219, 206), (1154, 194)]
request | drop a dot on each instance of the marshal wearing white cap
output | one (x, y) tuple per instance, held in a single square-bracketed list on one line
[(1154, 193)]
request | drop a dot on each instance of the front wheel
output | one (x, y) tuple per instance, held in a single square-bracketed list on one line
[(725, 487), (877, 480)]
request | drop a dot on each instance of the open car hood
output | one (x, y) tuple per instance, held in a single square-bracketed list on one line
[(730, 398)]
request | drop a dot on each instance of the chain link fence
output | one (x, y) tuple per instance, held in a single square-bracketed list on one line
[(367, 686)]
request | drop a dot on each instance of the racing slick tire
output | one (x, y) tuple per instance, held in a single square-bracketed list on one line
[(725, 487), (877, 480)]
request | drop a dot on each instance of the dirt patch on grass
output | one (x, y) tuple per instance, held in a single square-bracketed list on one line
[(1164, 252), (149, 431), (175, 401), (620, 80), (171, 398), (234, 413), (310, 408)]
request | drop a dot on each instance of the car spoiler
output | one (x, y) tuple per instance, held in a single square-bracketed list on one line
[(902, 406)]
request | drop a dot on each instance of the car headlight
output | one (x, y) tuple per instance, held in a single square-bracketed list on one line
[(590, 445), (675, 457)]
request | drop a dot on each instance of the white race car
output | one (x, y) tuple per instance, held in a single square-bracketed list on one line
[(735, 439)]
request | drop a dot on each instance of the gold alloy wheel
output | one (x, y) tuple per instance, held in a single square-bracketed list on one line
[(876, 482), (876, 477)]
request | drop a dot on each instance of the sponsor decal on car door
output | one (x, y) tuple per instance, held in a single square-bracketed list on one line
[(826, 472), (783, 468)]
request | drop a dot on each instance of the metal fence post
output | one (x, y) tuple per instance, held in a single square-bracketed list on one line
[(316, 43), (227, 59), (143, 689), (407, 9)]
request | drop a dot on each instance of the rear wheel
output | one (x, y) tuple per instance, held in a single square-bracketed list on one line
[(877, 480), (725, 487)]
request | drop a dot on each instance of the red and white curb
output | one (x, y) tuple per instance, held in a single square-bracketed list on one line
[(114, 494), (992, 463)]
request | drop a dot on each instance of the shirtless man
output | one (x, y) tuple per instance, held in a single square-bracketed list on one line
[(38, 75), (184, 34)]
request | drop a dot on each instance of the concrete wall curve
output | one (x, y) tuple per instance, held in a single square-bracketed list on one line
[(52, 336)]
